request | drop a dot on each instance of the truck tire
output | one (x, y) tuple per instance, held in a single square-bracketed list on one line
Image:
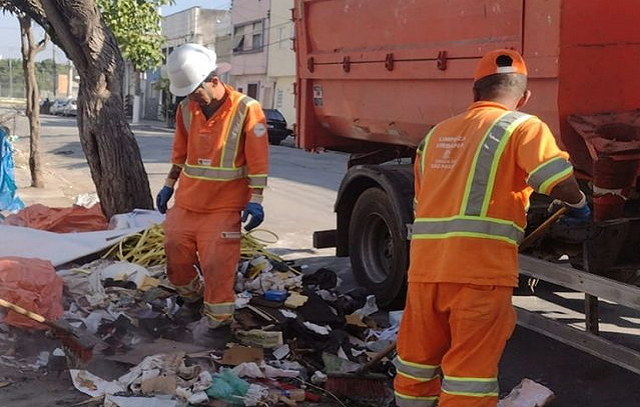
[(378, 248)]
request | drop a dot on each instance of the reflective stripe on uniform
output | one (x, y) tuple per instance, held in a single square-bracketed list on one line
[(221, 311), (416, 371), (546, 173), (469, 226), (214, 173), (258, 181), (186, 113), (191, 291), (485, 163), (423, 147), (470, 386), (403, 400), (234, 131)]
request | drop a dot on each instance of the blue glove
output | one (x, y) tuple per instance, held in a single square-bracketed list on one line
[(257, 215), (163, 198), (576, 216)]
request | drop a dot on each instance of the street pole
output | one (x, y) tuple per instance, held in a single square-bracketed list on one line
[(55, 73), (10, 79)]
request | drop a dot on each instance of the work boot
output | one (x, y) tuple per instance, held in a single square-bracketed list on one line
[(204, 334), (189, 312)]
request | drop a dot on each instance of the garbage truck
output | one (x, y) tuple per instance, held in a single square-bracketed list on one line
[(373, 76)]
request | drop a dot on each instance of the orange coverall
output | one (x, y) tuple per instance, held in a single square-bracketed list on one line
[(474, 174), (222, 159)]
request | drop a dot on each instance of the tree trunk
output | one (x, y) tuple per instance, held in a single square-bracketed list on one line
[(29, 51), (108, 143)]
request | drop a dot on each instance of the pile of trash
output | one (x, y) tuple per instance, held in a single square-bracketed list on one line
[(296, 337), (292, 332)]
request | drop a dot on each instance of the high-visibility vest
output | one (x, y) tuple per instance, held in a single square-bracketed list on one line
[(224, 157), (480, 229), (226, 169)]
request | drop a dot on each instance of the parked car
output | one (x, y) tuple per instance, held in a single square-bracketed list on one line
[(70, 108), (276, 126), (58, 106)]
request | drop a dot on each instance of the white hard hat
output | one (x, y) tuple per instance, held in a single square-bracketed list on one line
[(189, 65)]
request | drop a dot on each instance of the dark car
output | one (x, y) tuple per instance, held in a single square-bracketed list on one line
[(276, 126)]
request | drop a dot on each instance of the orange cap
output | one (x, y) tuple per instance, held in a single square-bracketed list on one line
[(500, 61)]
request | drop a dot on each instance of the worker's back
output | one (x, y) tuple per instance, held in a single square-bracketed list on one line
[(471, 193)]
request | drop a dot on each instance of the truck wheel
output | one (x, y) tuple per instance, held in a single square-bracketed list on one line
[(378, 248)]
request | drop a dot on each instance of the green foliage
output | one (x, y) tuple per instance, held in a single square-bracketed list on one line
[(136, 26)]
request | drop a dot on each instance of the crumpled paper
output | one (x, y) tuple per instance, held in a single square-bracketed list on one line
[(262, 371)]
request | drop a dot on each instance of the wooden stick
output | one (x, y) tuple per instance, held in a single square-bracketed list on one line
[(536, 234)]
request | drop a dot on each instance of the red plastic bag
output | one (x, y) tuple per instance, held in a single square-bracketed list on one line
[(60, 220), (32, 284)]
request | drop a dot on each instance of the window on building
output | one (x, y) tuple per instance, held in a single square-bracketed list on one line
[(248, 37), (279, 98), (257, 41), (252, 90), (257, 36), (238, 39)]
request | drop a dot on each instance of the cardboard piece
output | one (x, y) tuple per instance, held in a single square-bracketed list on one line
[(160, 346), (356, 320), (242, 354), (159, 385), (295, 300)]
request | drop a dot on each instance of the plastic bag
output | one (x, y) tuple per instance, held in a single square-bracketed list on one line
[(9, 201), (228, 387), (60, 220), (31, 284)]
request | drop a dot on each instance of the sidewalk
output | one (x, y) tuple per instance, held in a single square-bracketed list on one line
[(155, 125)]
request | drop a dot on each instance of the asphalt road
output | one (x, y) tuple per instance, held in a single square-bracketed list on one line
[(300, 200)]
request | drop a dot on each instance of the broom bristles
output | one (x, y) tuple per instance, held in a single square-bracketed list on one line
[(361, 387)]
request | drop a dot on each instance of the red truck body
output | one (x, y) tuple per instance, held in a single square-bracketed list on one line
[(378, 73)]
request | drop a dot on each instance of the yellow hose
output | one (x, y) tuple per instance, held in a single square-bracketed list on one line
[(147, 247)]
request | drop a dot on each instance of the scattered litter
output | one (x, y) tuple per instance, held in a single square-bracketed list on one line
[(295, 300), (318, 377), (92, 385), (127, 303), (336, 364), (288, 314), (238, 355), (227, 386), (260, 338), (59, 220), (262, 371), (528, 394), (87, 200), (129, 275), (282, 352), (121, 401), (321, 330), (370, 307), (31, 284)]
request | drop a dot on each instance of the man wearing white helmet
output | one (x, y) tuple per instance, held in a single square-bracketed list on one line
[(220, 163)]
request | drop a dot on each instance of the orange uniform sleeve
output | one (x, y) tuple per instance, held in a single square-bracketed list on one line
[(540, 157), (180, 141), (256, 146)]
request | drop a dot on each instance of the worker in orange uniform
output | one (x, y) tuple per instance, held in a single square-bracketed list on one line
[(474, 174), (220, 163)]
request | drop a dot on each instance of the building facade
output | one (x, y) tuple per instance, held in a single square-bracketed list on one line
[(281, 68), (250, 22), (208, 27)]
